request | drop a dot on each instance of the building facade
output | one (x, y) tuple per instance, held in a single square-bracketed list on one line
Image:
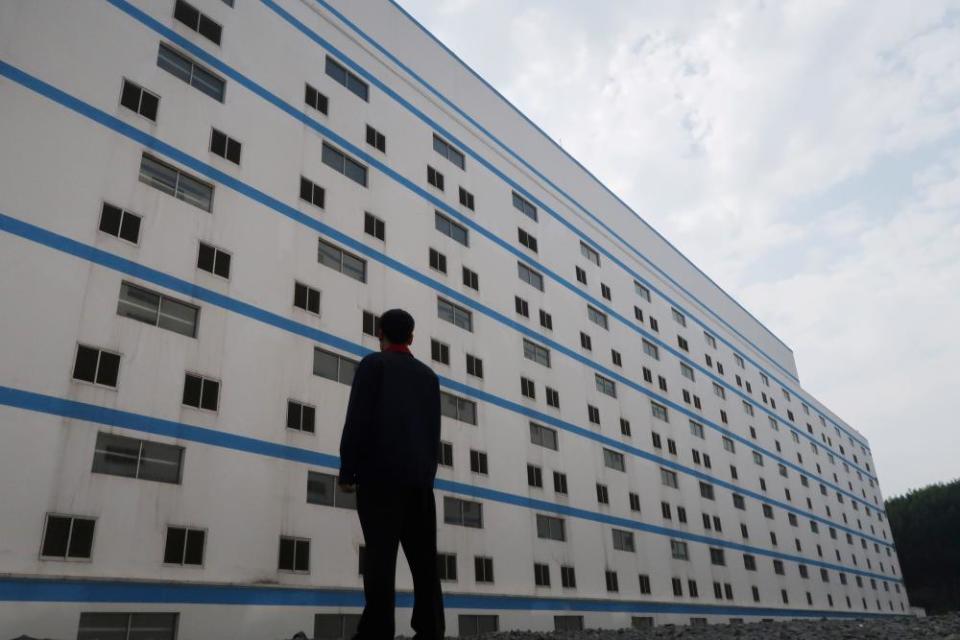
[(205, 205)]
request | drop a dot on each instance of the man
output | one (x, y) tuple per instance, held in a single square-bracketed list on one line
[(388, 455)]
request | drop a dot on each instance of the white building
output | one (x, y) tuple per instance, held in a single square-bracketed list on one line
[(627, 445)]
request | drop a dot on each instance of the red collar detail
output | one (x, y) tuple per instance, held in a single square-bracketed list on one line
[(398, 348)]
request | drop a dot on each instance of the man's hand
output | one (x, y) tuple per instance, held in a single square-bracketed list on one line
[(347, 488)]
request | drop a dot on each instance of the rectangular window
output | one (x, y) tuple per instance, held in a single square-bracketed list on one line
[(605, 291), (534, 476), (528, 275), (139, 100), (668, 478), (710, 340), (458, 408), (127, 626), (524, 206), (634, 501), (337, 259), (624, 426), (174, 182), (641, 290), (678, 317), (541, 574), (184, 546), (120, 223), (696, 429), (224, 146), (199, 22), (311, 192), (581, 276), (473, 625), (347, 78), (651, 350), (306, 298), (448, 151), (528, 388), (454, 314), (593, 414), (717, 557), (333, 366), (448, 227), (474, 366), (589, 253), (738, 502), (342, 163), (301, 417), (614, 460), (446, 570), (644, 584), (213, 260), (196, 76), (439, 352), (376, 139), (597, 317), (200, 392), (374, 226), (446, 454), (462, 512), (478, 462), (96, 366), (560, 482), (550, 528), (371, 324), (553, 398), (706, 491), (585, 341), (294, 555), (67, 537), (434, 178), (522, 306), (543, 436), (605, 385), (568, 577), (437, 260), (132, 458), (616, 357), (659, 411), (612, 583), (315, 99), (678, 550), (527, 240), (535, 352), (623, 540), (471, 279), (466, 199)]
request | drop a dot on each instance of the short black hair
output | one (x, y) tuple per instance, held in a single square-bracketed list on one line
[(396, 326)]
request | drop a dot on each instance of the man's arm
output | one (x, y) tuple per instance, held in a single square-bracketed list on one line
[(357, 425)]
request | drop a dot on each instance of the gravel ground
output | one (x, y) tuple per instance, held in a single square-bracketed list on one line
[(933, 627)]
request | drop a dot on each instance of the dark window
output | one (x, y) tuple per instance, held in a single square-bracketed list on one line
[(446, 567), (347, 78), (550, 528), (197, 21), (439, 352), (312, 193), (301, 417), (68, 537), (446, 454), (454, 314), (474, 366), (200, 392), (120, 223), (527, 240), (553, 398), (376, 139), (184, 546), (543, 436), (611, 577), (306, 298), (546, 320), (560, 482), (458, 408), (434, 177), (523, 205), (471, 279), (448, 227), (174, 182), (466, 199), (127, 626), (581, 275), (214, 260), (333, 366), (541, 574), (463, 512), (438, 261), (322, 489), (315, 99), (568, 577), (528, 388), (644, 584), (472, 625), (342, 163), (478, 462), (190, 72), (521, 306), (448, 151), (605, 291), (129, 457), (330, 255), (96, 366), (224, 146), (374, 226), (139, 100), (534, 476), (294, 554)]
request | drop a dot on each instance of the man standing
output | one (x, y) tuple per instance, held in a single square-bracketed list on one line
[(388, 455)]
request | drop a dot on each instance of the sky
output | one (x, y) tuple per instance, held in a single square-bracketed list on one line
[(804, 154)]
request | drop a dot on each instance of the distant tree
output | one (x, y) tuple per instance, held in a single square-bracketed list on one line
[(926, 529)]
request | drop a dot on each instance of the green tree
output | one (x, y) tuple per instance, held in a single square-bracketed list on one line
[(926, 529)]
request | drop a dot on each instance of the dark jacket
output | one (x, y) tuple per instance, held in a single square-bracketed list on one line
[(392, 431)]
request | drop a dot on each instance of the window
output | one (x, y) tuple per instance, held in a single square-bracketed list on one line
[(535, 352), (677, 586), (717, 557), (312, 193), (315, 99), (696, 429), (585, 341), (710, 340), (678, 317), (478, 462), (623, 540), (606, 386), (466, 199), (706, 491), (434, 178), (749, 562), (614, 460), (686, 371), (653, 324), (659, 411), (678, 550), (458, 408), (543, 436), (671, 446), (560, 482), (176, 183), (139, 100), (605, 291), (454, 314), (448, 151), (446, 568), (682, 343), (332, 366), (738, 501), (200, 392), (214, 260), (665, 511), (644, 584), (528, 388), (634, 501), (376, 139), (294, 554), (132, 458), (348, 79), (526, 240), (553, 398), (521, 306), (550, 528), (190, 72), (668, 478), (197, 21), (778, 567), (541, 574), (593, 414), (439, 352), (747, 408), (438, 261), (224, 146), (534, 476), (337, 259), (184, 546), (462, 512), (374, 226), (589, 253), (127, 626), (651, 350), (472, 625), (445, 457), (68, 537), (471, 279), (641, 290), (568, 577), (96, 366), (474, 366), (524, 206), (719, 391), (597, 317), (342, 163), (739, 360), (306, 298), (616, 358), (581, 275), (611, 577), (301, 417), (448, 227), (120, 223), (757, 458), (624, 426), (528, 275)]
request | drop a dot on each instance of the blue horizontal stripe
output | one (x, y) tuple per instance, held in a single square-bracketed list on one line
[(97, 256), (18, 589), (375, 162), (65, 408)]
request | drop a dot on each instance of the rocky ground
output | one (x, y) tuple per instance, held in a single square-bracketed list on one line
[(934, 627)]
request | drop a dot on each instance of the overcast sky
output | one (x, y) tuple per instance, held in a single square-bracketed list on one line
[(806, 155)]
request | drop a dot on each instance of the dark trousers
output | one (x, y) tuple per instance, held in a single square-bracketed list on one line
[(392, 515)]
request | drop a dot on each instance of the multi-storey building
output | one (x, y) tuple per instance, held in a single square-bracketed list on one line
[(204, 205)]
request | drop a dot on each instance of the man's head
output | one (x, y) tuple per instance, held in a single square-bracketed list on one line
[(396, 327)]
